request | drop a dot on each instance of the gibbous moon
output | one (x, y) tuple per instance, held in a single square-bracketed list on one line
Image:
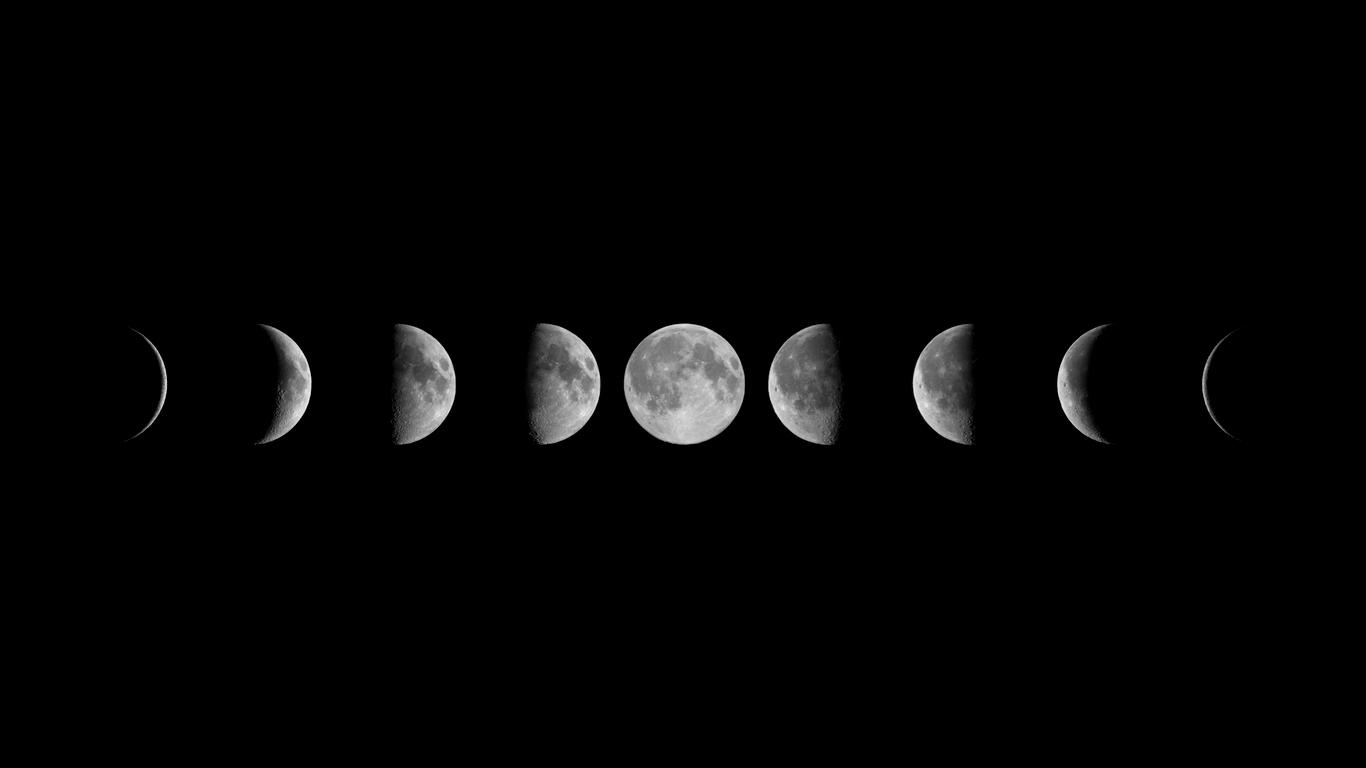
[(805, 385), (684, 384), (944, 384), (562, 384), (423, 385), (293, 385)]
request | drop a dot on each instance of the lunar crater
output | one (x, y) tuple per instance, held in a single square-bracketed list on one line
[(684, 384), (562, 384)]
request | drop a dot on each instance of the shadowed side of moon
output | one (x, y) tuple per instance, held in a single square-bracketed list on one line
[(1116, 384), (944, 383), (806, 385), (1235, 383), (266, 384), (684, 384), (562, 384), (134, 392), (423, 385)]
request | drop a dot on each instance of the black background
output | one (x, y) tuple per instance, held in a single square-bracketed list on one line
[(894, 198)]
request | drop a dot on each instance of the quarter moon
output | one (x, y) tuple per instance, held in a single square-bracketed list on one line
[(944, 384)]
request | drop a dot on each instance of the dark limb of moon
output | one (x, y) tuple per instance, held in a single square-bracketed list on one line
[(806, 385), (1114, 385), (1237, 383), (266, 384), (562, 384), (134, 391)]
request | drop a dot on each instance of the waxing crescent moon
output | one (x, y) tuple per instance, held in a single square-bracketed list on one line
[(161, 397)]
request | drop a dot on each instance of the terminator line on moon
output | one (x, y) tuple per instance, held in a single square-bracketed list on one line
[(423, 385), (944, 384), (684, 384), (805, 385), (562, 384)]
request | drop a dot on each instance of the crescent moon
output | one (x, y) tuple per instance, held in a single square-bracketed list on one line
[(161, 400), (1204, 385), (293, 388), (1072, 390)]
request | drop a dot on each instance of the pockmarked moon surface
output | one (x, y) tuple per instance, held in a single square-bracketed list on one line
[(1074, 390), (562, 384), (1116, 387), (944, 384), (292, 385), (806, 386), (423, 385), (684, 384), (136, 390)]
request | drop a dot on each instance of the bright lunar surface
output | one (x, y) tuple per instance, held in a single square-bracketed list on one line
[(562, 384), (944, 386), (293, 386), (1076, 388), (684, 384), (424, 384), (805, 385)]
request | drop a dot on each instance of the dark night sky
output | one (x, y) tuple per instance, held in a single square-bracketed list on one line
[(893, 218)]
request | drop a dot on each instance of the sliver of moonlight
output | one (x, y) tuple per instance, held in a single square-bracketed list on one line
[(684, 384)]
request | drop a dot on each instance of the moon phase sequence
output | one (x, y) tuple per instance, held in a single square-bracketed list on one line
[(684, 384)]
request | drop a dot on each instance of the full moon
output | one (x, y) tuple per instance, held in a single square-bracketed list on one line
[(944, 384), (423, 386), (805, 385), (684, 384), (562, 384)]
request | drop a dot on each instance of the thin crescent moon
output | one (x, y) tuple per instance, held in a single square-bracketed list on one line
[(162, 400), (1204, 385)]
